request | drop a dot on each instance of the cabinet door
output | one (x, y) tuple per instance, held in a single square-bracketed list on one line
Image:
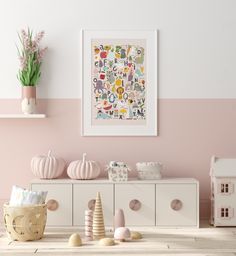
[(84, 196), (59, 200), (137, 202), (176, 205)]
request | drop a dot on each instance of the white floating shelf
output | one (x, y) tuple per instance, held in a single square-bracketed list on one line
[(20, 116)]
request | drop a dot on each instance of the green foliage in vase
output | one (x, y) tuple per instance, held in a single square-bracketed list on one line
[(30, 56)]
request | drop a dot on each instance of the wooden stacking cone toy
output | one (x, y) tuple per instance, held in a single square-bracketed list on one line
[(98, 221)]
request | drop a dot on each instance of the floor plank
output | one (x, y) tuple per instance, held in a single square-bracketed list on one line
[(207, 241), (218, 245)]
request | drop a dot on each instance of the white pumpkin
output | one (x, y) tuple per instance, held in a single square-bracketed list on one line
[(47, 167), (83, 170)]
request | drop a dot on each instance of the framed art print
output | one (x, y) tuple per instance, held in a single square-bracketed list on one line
[(119, 83)]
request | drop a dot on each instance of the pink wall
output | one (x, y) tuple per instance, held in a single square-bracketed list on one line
[(190, 132)]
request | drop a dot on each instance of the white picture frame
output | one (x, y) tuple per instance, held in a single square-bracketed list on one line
[(147, 127)]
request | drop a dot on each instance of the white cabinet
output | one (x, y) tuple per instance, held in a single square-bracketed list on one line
[(84, 198), (176, 205), (137, 202), (59, 200), (164, 203)]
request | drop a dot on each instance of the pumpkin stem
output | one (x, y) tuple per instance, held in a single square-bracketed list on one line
[(49, 153), (84, 156)]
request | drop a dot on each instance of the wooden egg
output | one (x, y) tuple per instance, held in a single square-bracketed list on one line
[(136, 235), (75, 240), (106, 241)]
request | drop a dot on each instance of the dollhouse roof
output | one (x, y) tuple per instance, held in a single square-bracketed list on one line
[(223, 167)]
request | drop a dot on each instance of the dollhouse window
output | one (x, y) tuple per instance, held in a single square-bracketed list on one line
[(226, 188), (226, 212)]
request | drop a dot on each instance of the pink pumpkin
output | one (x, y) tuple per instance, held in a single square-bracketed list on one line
[(83, 170), (47, 167)]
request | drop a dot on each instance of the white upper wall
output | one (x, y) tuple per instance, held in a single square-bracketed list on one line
[(197, 42)]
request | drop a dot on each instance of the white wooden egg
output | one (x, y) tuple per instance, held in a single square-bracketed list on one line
[(135, 235), (83, 170), (75, 240), (47, 167), (107, 241)]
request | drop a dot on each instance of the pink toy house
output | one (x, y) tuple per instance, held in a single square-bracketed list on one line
[(223, 191)]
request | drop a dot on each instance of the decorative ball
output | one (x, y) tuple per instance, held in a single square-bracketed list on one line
[(47, 167), (83, 170), (136, 235), (107, 241), (75, 240), (122, 234)]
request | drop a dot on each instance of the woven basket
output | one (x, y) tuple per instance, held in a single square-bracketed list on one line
[(25, 223)]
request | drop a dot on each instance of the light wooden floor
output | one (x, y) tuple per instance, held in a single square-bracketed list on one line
[(204, 241)]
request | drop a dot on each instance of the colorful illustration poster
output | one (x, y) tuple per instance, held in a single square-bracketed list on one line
[(119, 82)]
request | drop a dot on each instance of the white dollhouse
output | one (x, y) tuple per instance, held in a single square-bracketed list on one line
[(223, 191)]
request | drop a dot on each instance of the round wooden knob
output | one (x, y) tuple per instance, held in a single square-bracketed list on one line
[(135, 205), (176, 205), (52, 205), (91, 204)]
